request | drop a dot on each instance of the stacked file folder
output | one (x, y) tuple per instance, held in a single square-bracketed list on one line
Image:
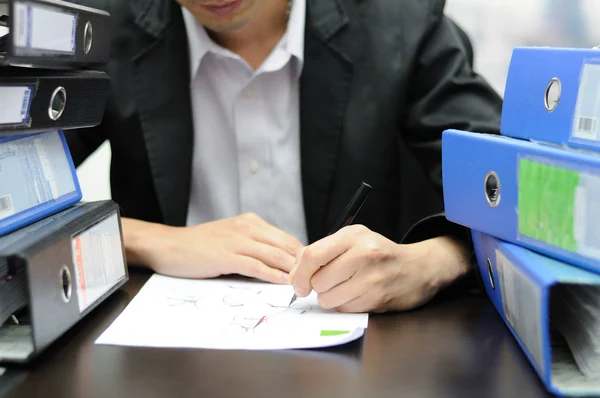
[(531, 197), (59, 257)]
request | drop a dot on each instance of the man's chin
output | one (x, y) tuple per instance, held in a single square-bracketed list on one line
[(226, 27)]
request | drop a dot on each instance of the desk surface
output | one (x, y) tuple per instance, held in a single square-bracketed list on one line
[(460, 348)]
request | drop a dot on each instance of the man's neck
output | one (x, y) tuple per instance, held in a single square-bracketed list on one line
[(255, 41)]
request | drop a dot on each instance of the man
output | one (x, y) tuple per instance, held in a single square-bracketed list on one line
[(241, 128)]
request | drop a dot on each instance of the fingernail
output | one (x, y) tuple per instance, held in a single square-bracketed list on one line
[(300, 291)]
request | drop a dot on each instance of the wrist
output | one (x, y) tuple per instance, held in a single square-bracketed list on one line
[(451, 259), (442, 260), (143, 241)]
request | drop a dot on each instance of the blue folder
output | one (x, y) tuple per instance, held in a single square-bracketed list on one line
[(571, 115), (538, 196), (37, 178), (522, 286)]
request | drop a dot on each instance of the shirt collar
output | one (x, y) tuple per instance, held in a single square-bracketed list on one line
[(295, 29), (200, 43)]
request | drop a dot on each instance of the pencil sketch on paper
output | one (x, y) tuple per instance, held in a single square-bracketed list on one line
[(228, 314), (251, 309)]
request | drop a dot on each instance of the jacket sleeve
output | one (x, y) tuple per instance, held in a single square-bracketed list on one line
[(445, 92)]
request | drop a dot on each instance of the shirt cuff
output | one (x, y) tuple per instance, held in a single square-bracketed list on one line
[(438, 225)]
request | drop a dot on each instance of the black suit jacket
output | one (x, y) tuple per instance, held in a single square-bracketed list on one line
[(382, 79)]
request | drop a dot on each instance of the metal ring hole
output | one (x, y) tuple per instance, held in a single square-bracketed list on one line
[(58, 102), (66, 283), (87, 37), (491, 274), (552, 94), (492, 188)]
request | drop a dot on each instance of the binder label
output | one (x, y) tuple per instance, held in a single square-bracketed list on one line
[(521, 302), (44, 28), (587, 107), (34, 169), (99, 261), (559, 206), (15, 102)]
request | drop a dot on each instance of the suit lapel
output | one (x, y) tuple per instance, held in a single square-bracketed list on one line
[(161, 84), (324, 91)]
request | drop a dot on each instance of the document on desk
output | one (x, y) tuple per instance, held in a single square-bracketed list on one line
[(228, 314)]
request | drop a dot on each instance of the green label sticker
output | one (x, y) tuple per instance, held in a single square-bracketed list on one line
[(546, 203), (333, 332)]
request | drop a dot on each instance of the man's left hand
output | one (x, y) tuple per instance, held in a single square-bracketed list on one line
[(358, 270)]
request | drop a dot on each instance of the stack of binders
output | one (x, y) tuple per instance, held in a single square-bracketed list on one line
[(59, 256), (531, 197)]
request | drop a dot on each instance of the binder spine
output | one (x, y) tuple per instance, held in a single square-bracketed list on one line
[(56, 34), (553, 95), (35, 101), (37, 179), (73, 261), (536, 196)]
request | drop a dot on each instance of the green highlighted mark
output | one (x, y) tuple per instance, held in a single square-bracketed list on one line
[(547, 203), (333, 332)]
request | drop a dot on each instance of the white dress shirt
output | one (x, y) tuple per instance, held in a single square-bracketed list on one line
[(246, 130)]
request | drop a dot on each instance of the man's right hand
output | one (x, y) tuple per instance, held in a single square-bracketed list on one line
[(245, 245)]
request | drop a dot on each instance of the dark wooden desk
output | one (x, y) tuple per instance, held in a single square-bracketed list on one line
[(448, 349)]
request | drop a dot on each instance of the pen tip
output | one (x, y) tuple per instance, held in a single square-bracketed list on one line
[(292, 301)]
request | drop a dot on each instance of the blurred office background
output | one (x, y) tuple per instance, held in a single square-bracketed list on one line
[(495, 28)]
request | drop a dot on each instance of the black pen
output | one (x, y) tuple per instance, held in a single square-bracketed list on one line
[(347, 216)]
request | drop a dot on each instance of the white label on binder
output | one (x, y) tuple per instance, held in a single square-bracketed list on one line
[(587, 108), (43, 28), (14, 104), (586, 212), (98, 259), (521, 301)]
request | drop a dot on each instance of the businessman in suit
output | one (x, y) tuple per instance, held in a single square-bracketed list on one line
[(240, 129)]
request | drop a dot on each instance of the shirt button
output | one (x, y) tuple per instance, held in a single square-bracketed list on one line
[(254, 167), (248, 92)]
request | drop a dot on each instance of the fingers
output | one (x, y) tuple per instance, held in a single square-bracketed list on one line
[(254, 268), (273, 236), (342, 294), (319, 254), (271, 256), (338, 271), (360, 304)]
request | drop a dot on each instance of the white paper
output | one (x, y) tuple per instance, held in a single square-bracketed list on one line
[(228, 314)]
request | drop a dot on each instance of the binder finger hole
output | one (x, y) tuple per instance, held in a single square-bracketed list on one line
[(552, 94), (67, 287), (491, 274), (492, 189), (58, 102), (87, 37)]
